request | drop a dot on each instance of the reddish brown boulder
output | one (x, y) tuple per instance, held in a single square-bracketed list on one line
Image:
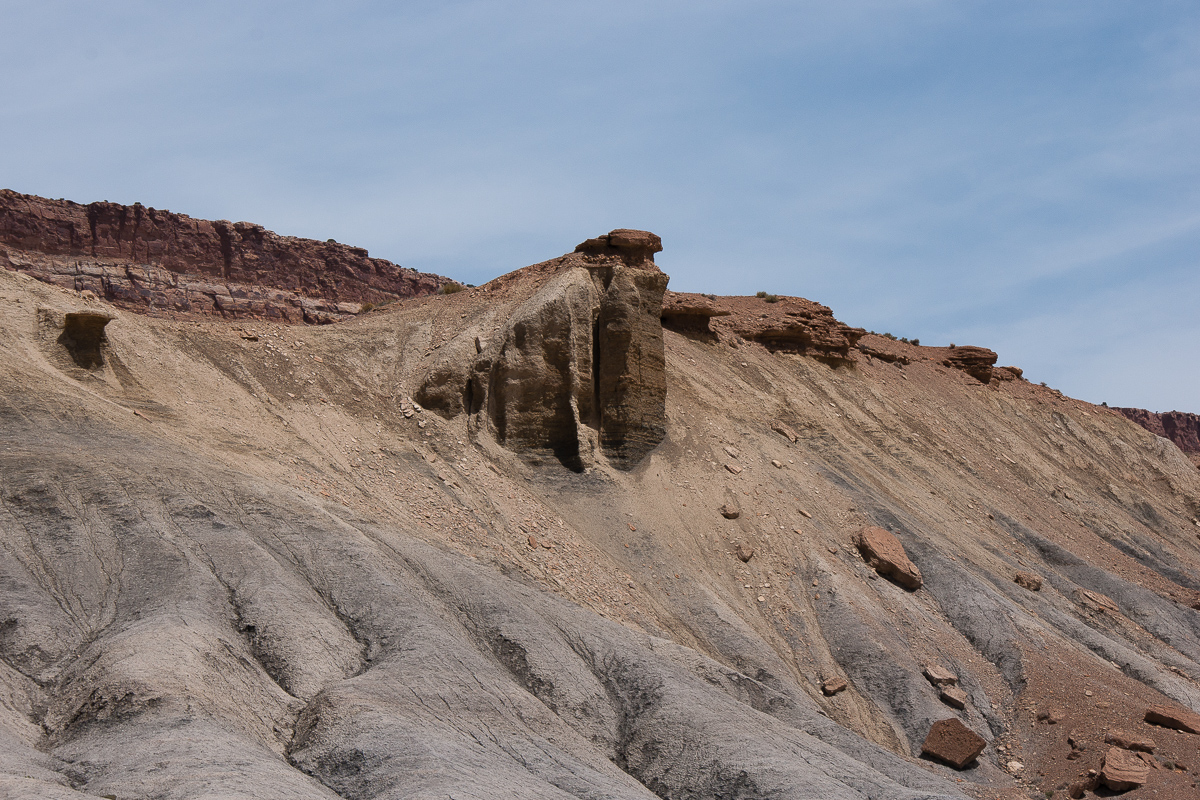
[(1129, 741), (975, 361), (1123, 770), (833, 686), (883, 551), (744, 552), (731, 510), (1180, 719), (953, 743)]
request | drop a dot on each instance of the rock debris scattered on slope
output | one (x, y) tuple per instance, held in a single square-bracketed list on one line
[(244, 560)]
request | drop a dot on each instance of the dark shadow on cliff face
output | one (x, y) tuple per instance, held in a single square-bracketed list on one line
[(83, 337)]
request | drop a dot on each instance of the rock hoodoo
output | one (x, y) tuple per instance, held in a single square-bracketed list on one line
[(577, 368)]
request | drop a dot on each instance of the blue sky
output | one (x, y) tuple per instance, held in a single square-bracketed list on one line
[(1019, 175)]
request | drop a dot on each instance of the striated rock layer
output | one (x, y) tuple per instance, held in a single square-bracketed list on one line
[(152, 260)]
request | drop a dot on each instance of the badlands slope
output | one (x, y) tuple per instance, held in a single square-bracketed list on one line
[(472, 545)]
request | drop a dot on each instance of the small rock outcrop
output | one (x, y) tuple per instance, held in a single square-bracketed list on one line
[(1123, 770), (975, 361), (953, 743), (1027, 580), (1008, 373), (781, 324), (884, 553), (577, 367), (147, 259), (689, 313), (1180, 719), (1129, 741), (796, 325)]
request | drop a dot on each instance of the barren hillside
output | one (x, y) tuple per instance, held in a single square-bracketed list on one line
[(564, 535)]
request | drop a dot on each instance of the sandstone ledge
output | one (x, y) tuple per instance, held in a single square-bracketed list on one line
[(160, 262)]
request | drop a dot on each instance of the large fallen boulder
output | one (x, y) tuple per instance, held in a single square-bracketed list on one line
[(953, 743), (884, 553), (1123, 770), (1180, 719)]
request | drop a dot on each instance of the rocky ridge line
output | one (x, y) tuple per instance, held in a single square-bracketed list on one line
[(159, 262)]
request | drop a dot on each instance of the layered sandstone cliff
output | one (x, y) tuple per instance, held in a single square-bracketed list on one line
[(161, 262), (1181, 428)]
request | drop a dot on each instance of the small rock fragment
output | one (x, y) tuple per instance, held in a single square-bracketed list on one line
[(733, 451), (1029, 581), (804, 513), (953, 697), (939, 676), (734, 468), (1129, 741), (1052, 715), (1098, 601), (784, 431), (1180, 719), (533, 542), (833, 686), (776, 464), (744, 552), (1080, 787), (1123, 770), (731, 510), (953, 743)]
